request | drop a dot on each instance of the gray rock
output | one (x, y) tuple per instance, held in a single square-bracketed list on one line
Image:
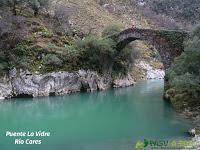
[(197, 140), (192, 132), (56, 83), (150, 71), (123, 81), (104, 82), (195, 137), (5, 88), (88, 80), (24, 83)]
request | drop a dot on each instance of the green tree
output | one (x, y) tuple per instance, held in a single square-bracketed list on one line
[(184, 75), (98, 52), (111, 30)]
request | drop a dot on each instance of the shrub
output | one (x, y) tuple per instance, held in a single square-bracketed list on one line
[(43, 31), (3, 63), (3, 66), (52, 59), (125, 60), (99, 52), (21, 49), (111, 30), (12, 4), (184, 75), (196, 31)]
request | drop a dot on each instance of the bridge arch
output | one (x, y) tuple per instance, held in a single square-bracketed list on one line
[(169, 43)]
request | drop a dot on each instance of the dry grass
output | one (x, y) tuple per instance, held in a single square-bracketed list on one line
[(89, 16)]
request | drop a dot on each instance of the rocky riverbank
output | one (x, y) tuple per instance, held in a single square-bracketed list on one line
[(197, 137), (151, 73), (191, 113), (23, 83), (195, 133), (19, 83)]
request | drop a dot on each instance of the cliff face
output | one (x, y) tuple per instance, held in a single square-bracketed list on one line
[(19, 83), (5, 88), (24, 83)]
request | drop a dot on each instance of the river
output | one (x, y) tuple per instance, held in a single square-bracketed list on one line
[(104, 120)]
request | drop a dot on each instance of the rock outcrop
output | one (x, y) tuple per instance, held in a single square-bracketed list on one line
[(5, 88), (151, 73), (23, 83), (123, 81)]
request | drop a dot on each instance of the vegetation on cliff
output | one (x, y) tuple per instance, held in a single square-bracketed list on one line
[(184, 75), (34, 39)]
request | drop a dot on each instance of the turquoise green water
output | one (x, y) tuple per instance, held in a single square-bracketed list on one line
[(106, 120)]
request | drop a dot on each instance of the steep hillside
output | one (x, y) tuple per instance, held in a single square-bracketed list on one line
[(94, 16), (171, 14), (47, 40)]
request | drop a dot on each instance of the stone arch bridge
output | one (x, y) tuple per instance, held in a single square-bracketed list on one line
[(169, 43)]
